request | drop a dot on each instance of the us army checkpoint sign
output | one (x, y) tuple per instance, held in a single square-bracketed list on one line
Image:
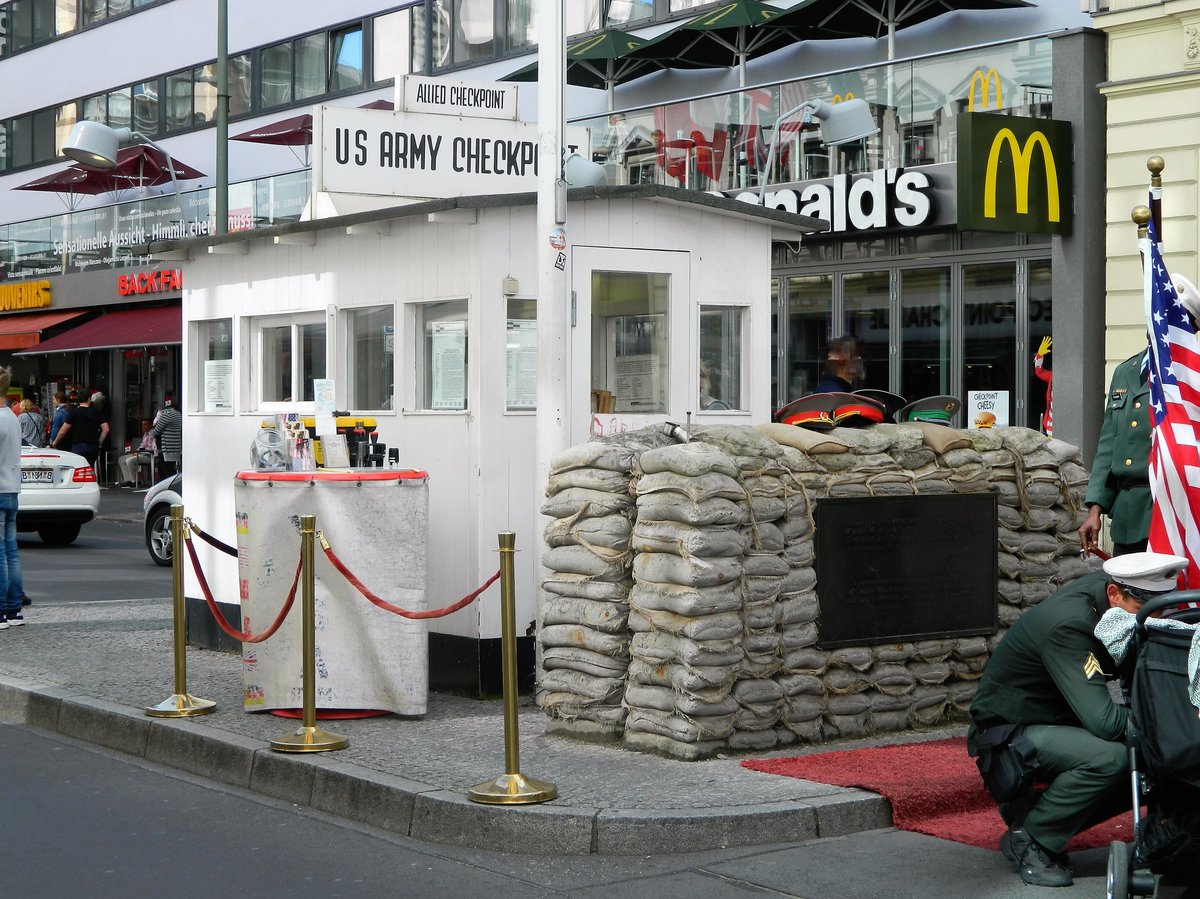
[(404, 154)]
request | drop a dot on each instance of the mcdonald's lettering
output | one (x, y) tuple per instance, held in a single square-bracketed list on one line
[(1022, 158), (984, 80), (1014, 174), (842, 98)]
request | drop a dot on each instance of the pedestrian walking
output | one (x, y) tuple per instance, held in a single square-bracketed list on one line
[(12, 588)]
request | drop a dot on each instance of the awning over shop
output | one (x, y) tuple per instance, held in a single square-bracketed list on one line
[(18, 332), (156, 326)]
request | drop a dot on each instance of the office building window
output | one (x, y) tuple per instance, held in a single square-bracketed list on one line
[(346, 59)]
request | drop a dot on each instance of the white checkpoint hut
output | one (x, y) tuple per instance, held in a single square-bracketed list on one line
[(424, 316)]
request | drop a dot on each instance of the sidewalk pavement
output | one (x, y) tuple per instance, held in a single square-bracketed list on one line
[(88, 671)]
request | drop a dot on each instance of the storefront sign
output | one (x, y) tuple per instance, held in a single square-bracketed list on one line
[(24, 295), (885, 198), (170, 281), (987, 408), (415, 155), (479, 99), (1014, 174)]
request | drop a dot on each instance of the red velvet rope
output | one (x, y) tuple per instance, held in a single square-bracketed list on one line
[(396, 610), (244, 636)]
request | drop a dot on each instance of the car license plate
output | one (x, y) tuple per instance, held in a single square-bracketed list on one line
[(37, 475)]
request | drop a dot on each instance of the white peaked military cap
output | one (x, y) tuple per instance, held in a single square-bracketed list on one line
[(1146, 572), (1188, 295)]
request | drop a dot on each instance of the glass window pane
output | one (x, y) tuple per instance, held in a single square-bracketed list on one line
[(238, 73), (276, 74), (630, 340), (721, 357), (22, 140), (370, 358), (20, 24), (346, 58), (43, 21), (120, 108), (145, 107), (1041, 314), (179, 101), (392, 52), (204, 104), (44, 147), (94, 11), (924, 333), (95, 109), (65, 12), (520, 349), (578, 17), (621, 12), (276, 364), (215, 340), (521, 24), (312, 357), (810, 306), (868, 319), (474, 30), (442, 355), (990, 333), (310, 66)]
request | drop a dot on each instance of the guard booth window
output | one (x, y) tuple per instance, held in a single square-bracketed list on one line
[(441, 355), (721, 357), (291, 353), (214, 341), (370, 351), (630, 331)]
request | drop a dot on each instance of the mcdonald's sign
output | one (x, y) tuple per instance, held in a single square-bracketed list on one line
[(984, 80), (1014, 174), (842, 98)]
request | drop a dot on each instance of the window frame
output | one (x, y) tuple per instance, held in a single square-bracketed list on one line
[(293, 322)]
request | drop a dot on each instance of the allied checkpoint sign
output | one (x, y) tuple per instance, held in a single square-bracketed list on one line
[(406, 154)]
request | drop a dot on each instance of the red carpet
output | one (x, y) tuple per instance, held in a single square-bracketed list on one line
[(934, 788)]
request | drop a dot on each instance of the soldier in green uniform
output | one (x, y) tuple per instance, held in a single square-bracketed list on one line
[(1044, 701), (1119, 486)]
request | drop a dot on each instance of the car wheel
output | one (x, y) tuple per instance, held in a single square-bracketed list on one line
[(158, 537), (59, 535)]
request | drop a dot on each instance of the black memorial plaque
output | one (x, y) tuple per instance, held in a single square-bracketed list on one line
[(900, 568)]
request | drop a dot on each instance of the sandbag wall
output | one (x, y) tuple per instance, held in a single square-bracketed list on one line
[(681, 614)]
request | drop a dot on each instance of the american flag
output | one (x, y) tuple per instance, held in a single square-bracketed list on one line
[(1174, 377)]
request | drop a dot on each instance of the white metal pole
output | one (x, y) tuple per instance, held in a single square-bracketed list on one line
[(553, 313)]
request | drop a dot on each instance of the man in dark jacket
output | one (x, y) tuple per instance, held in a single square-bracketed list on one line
[(1049, 676), (843, 367)]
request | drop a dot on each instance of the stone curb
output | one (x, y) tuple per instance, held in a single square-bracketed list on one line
[(420, 811)]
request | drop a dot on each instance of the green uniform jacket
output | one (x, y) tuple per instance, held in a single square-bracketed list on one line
[(1051, 669), (1120, 483)]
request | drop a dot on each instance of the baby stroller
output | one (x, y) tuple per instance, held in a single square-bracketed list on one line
[(1163, 734)]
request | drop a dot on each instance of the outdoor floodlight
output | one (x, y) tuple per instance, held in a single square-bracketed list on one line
[(95, 145), (580, 172), (841, 123)]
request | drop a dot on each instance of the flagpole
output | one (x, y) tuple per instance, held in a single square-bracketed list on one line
[(1156, 164)]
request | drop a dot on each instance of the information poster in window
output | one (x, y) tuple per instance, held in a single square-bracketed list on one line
[(218, 385), (521, 346), (448, 349), (635, 353)]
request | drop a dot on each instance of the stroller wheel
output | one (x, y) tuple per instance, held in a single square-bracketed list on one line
[(1118, 870)]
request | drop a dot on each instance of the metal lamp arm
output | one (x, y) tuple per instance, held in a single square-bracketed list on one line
[(814, 106)]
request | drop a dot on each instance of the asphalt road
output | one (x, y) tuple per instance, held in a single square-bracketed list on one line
[(108, 561), (86, 822)]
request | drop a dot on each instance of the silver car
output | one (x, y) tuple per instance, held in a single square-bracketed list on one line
[(156, 514)]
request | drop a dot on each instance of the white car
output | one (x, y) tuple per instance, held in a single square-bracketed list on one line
[(156, 517), (59, 494)]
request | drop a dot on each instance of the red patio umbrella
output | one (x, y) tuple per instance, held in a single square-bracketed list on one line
[(144, 166), (294, 131), (74, 183)]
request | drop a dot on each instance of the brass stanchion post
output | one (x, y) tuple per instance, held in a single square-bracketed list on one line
[(182, 704), (309, 737), (512, 787)]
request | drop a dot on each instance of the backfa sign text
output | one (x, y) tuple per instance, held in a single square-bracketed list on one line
[(1014, 174)]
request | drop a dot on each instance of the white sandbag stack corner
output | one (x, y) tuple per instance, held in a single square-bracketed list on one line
[(584, 633)]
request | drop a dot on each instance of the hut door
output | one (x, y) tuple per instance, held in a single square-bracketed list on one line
[(629, 341)]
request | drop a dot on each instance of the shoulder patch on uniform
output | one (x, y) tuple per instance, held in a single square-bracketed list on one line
[(1091, 667)]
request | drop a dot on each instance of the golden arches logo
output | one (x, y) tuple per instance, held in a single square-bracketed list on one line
[(841, 98), (984, 80), (1022, 158)]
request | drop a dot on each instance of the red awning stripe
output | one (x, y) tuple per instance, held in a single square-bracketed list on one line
[(156, 326), (17, 332)]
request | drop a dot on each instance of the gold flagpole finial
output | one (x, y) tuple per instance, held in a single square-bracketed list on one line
[(1141, 218), (1156, 164)]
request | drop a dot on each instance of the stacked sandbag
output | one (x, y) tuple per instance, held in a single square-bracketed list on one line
[(710, 609), (584, 634), (686, 604), (1040, 484)]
